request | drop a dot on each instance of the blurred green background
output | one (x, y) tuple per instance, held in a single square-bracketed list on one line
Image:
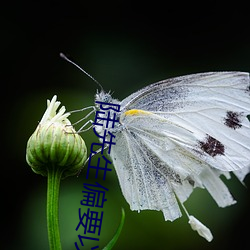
[(125, 47)]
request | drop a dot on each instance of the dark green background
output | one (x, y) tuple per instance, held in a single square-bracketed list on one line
[(125, 45)]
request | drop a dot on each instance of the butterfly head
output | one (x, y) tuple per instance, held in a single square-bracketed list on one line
[(102, 96)]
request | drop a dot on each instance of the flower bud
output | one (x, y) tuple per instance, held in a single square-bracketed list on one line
[(55, 143)]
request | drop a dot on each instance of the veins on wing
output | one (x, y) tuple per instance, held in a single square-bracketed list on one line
[(160, 170)]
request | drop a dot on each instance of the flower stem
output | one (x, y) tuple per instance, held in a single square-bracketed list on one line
[(54, 177)]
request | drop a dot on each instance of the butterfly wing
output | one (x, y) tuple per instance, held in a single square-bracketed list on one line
[(139, 182), (213, 106), (181, 133), (152, 168)]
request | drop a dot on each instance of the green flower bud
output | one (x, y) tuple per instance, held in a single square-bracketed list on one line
[(55, 143)]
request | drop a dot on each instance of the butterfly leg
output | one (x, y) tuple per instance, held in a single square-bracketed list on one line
[(82, 128)]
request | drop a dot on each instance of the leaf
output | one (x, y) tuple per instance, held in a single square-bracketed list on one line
[(117, 234)]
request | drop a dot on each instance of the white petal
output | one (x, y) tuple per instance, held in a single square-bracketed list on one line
[(200, 228), (48, 113), (51, 114)]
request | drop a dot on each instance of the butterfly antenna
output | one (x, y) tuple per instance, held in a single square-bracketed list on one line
[(90, 76)]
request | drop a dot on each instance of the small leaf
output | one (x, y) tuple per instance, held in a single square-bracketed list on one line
[(117, 234)]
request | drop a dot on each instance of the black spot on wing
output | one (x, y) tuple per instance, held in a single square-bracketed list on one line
[(212, 146), (233, 119)]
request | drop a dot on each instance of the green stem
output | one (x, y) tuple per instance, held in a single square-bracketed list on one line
[(54, 177)]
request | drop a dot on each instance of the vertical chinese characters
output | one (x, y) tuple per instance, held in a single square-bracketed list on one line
[(94, 194)]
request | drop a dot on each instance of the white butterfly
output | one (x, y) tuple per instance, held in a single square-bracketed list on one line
[(178, 134)]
